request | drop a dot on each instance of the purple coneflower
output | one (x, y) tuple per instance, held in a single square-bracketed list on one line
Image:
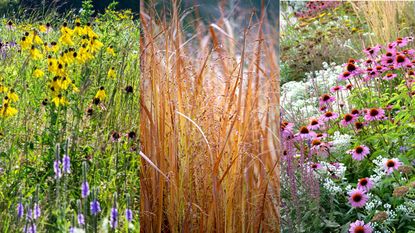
[(287, 129), (315, 124), (401, 60), (365, 184), (389, 76), (326, 99), (360, 227), (327, 116), (357, 198), (391, 164), (305, 133), (372, 52), (336, 89), (348, 119), (375, 114), (359, 152)]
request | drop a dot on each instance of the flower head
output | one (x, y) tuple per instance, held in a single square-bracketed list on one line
[(375, 114), (348, 119), (365, 184), (390, 165), (329, 116), (360, 227), (359, 152), (357, 198)]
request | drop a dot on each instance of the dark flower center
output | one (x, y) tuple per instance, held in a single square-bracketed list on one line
[(355, 111), (389, 54), (390, 163), (328, 114), (348, 117), (326, 97), (359, 229), (363, 182), (389, 75), (351, 67), (357, 197), (359, 125), (373, 112), (346, 74), (304, 130), (316, 142), (389, 61), (359, 149), (314, 122), (400, 59)]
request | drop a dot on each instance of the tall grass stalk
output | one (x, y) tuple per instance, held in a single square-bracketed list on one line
[(208, 122)]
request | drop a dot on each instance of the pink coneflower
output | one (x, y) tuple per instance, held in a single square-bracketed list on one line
[(389, 76), (315, 166), (365, 184), (357, 198), (287, 129), (360, 227), (387, 61), (359, 125), (321, 135), (323, 108), (391, 164), (375, 114), (359, 152), (329, 116), (346, 75), (305, 133), (336, 89), (320, 148), (326, 99), (409, 52), (401, 42), (401, 60), (355, 112), (380, 69), (372, 52), (348, 119), (349, 86), (368, 62), (315, 124)]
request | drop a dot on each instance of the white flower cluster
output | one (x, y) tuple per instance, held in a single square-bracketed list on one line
[(403, 209), (341, 142), (338, 170), (373, 203), (378, 172), (332, 187), (301, 98)]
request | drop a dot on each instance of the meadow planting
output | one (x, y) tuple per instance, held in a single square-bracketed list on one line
[(69, 121), (347, 133)]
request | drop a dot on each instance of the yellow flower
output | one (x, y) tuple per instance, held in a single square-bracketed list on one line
[(74, 88), (25, 43), (101, 94), (110, 50), (38, 73), (3, 89), (35, 53), (13, 96), (95, 45), (7, 111), (111, 73), (59, 100)]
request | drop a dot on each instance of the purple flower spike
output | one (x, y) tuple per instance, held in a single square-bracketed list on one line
[(20, 210), (85, 189), (81, 219), (57, 169), (66, 163), (36, 211), (129, 215), (95, 207), (114, 218), (30, 229)]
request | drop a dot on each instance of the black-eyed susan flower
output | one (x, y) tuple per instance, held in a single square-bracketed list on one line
[(38, 73), (35, 53), (110, 50), (101, 94), (59, 100), (7, 111), (111, 73), (13, 96)]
